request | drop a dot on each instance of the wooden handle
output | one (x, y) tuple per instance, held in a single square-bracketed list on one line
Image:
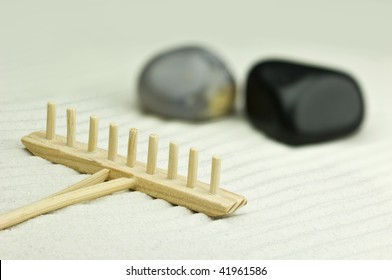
[(94, 179), (62, 200)]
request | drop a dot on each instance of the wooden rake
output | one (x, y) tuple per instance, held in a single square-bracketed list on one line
[(121, 173)]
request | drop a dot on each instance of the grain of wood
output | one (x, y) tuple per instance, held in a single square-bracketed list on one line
[(192, 168), (93, 179), (173, 161), (71, 126), (51, 121), (152, 154), (132, 147), (113, 142), (93, 134), (215, 174)]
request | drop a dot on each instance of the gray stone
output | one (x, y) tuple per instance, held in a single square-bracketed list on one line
[(187, 83)]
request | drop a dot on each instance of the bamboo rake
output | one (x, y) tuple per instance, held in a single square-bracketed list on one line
[(122, 172)]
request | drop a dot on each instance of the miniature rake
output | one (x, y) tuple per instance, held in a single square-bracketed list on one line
[(121, 173)]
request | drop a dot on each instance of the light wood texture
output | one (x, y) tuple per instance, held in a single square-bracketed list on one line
[(93, 134), (152, 154), (173, 161), (197, 198), (132, 147), (113, 142), (71, 126), (215, 174), (51, 121), (86, 189), (93, 179), (192, 168)]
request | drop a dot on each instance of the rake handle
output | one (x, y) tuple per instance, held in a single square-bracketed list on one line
[(53, 203)]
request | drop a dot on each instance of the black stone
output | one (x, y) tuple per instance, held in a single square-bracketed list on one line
[(300, 104)]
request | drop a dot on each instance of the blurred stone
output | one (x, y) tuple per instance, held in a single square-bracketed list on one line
[(187, 83), (299, 104)]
